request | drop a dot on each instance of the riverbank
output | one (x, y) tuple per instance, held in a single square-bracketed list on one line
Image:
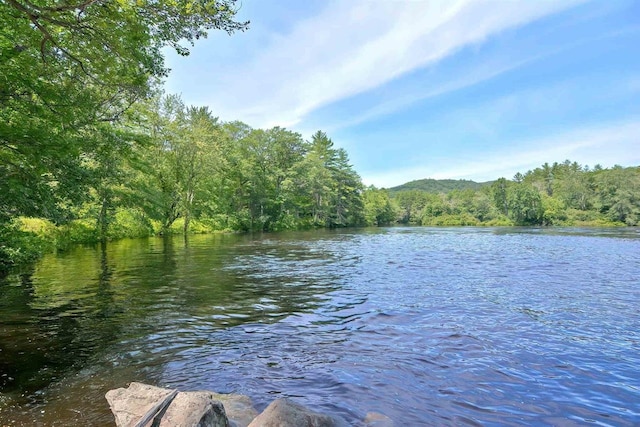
[(24, 240)]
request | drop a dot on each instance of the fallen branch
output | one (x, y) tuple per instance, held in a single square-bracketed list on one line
[(155, 410)]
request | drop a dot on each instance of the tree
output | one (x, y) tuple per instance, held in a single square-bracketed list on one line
[(287, 149), (617, 194), (378, 207), (347, 203), (65, 67), (185, 146), (499, 190), (410, 205), (196, 151), (110, 171), (334, 186), (163, 178), (229, 198), (525, 205), (321, 155), (553, 211)]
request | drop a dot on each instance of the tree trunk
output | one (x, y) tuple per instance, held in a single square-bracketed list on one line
[(187, 220), (103, 220)]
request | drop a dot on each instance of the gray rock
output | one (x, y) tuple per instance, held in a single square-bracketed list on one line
[(195, 408), (374, 419), (286, 413), (239, 408), (129, 405), (190, 409)]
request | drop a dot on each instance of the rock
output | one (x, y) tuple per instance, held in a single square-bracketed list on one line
[(130, 404), (206, 409), (187, 409), (239, 408), (374, 419), (286, 413), (195, 408)]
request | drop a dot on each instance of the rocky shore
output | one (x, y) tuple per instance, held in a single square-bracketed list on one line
[(145, 405)]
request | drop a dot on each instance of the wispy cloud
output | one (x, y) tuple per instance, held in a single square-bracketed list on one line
[(601, 144), (464, 77), (352, 47)]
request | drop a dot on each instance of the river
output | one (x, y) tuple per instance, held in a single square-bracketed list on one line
[(429, 326)]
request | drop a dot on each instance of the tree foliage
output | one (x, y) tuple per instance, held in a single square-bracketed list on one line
[(65, 68), (233, 177), (560, 194), (439, 185)]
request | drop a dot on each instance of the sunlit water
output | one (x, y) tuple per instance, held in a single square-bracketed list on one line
[(428, 326)]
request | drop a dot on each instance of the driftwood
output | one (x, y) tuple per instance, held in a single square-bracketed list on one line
[(157, 409)]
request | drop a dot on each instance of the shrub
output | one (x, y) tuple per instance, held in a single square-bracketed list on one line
[(451, 220), (501, 221), (18, 246), (129, 223), (77, 231)]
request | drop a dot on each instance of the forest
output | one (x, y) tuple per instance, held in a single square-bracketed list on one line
[(91, 149), (431, 185), (167, 168), (561, 194)]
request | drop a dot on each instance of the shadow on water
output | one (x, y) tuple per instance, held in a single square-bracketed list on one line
[(54, 319), (96, 318)]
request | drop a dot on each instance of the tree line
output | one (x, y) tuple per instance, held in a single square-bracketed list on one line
[(92, 150), (562, 194), (166, 168)]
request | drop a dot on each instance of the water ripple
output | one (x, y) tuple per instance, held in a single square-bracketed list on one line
[(428, 326)]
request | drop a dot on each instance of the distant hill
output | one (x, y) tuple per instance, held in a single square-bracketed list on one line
[(439, 185)]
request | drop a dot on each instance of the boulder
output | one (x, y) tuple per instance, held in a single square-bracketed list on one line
[(195, 408), (131, 405), (140, 404), (286, 413)]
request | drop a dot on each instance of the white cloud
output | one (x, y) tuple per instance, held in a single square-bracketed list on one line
[(352, 47), (604, 144), (486, 68)]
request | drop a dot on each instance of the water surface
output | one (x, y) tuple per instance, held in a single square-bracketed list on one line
[(430, 326)]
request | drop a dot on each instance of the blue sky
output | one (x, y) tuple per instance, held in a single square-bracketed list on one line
[(462, 89)]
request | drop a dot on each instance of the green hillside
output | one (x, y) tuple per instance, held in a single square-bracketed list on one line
[(439, 185)]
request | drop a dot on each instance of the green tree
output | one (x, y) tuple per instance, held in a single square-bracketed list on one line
[(575, 189), (410, 205), (110, 171), (347, 203), (617, 194), (379, 209), (499, 190), (525, 205), (435, 206), (65, 67), (196, 152), (553, 211), (185, 147), (230, 193), (163, 192)]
